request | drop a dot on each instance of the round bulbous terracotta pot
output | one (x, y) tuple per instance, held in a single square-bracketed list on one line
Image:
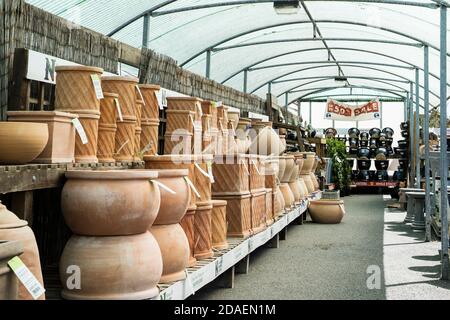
[(267, 142), (309, 183), (302, 188), (309, 161), (282, 167), (280, 202), (288, 196), (173, 205), (174, 247), (110, 203), (290, 167), (295, 172), (315, 181), (327, 211), (14, 229), (112, 268), (272, 165)]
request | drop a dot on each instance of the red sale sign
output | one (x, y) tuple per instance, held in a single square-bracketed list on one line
[(339, 111)]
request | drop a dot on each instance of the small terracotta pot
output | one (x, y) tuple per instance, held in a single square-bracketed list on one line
[(288, 196), (22, 142), (327, 211), (208, 108), (219, 225), (174, 247), (125, 136), (258, 211), (108, 109), (202, 231), (112, 268), (151, 108), (87, 153), (125, 87), (187, 223), (282, 162), (269, 207), (280, 204), (94, 202), (231, 175)]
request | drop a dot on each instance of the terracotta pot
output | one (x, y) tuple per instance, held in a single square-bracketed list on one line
[(180, 121), (187, 223), (75, 89), (244, 124), (14, 229), (288, 196), (258, 211), (108, 109), (125, 87), (124, 268), (219, 225), (87, 153), (222, 117), (137, 144), (9, 284), (186, 103), (271, 181), (256, 165), (302, 188), (290, 167), (310, 158), (280, 204), (282, 162), (309, 183), (203, 231), (178, 144), (22, 142), (233, 116), (238, 214), (149, 136), (295, 191), (173, 206), (94, 202), (151, 108), (125, 136), (327, 211), (60, 147), (272, 165), (209, 108), (267, 142), (106, 143), (295, 171), (269, 207), (231, 175), (314, 181), (207, 147), (174, 247), (223, 147)]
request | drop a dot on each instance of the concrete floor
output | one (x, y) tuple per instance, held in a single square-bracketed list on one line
[(370, 246)]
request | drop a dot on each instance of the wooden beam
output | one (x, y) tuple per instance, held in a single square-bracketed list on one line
[(22, 205), (130, 55)]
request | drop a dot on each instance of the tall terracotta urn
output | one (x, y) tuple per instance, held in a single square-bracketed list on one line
[(9, 284), (110, 213), (172, 240), (14, 229), (138, 131)]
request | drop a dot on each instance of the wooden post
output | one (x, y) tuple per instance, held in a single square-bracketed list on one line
[(243, 266), (283, 234), (274, 243), (226, 279), (22, 205)]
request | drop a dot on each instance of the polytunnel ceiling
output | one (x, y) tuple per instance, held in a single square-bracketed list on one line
[(377, 45)]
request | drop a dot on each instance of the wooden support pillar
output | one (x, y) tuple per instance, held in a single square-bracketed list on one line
[(243, 266), (226, 279), (22, 205), (283, 234), (274, 243)]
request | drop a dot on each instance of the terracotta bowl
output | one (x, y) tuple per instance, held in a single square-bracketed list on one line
[(327, 211), (22, 142), (110, 203)]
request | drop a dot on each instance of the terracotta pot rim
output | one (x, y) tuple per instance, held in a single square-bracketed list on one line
[(287, 157), (219, 203), (38, 125), (180, 112), (179, 157), (42, 114), (171, 173), (78, 68), (184, 99), (203, 206), (150, 121), (85, 112), (110, 95), (156, 87), (326, 202), (231, 196), (107, 127), (120, 78), (111, 174)]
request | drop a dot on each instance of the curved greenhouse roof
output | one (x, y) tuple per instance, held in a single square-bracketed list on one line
[(376, 45)]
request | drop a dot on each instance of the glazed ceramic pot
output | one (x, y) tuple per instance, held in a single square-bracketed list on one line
[(124, 267), (75, 89), (60, 147), (95, 202), (308, 164), (22, 142), (267, 142), (14, 229), (288, 196), (353, 133), (9, 284), (326, 211), (174, 246), (290, 167), (125, 87), (219, 225)]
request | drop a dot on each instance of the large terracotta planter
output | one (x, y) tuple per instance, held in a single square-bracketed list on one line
[(222, 117), (9, 284), (203, 231), (231, 175), (75, 89), (309, 161), (309, 183), (219, 225), (233, 116), (174, 247), (327, 211), (238, 214), (107, 128), (22, 142), (187, 223), (257, 178), (14, 229), (267, 142), (302, 188), (280, 204), (149, 136), (87, 153), (113, 268), (186, 103), (269, 207), (110, 203), (180, 121), (282, 162), (151, 108), (60, 147), (290, 168), (288, 196), (295, 191), (125, 136), (125, 87), (258, 211), (209, 108)]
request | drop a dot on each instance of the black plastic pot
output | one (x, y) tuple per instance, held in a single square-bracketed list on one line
[(390, 151), (353, 132), (363, 143), (402, 153), (373, 175), (364, 175), (389, 132), (403, 163), (375, 133), (381, 164), (330, 132), (353, 142), (373, 143), (353, 150), (382, 175), (291, 136), (404, 126), (405, 134), (403, 144), (364, 136), (363, 164), (363, 153)]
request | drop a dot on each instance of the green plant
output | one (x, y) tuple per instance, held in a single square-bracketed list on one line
[(341, 170)]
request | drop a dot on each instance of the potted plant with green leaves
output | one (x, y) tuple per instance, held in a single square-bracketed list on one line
[(341, 170)]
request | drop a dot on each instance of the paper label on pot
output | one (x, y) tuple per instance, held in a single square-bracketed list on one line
[(140, 94), (80, 130), (25, 276), (97, 86), (163, 186), (194, 189), (119, 110), (211, 176)]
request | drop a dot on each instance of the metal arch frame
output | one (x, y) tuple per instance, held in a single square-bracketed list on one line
[(349, 77), (306, 22), (152, 11), (369, 97)]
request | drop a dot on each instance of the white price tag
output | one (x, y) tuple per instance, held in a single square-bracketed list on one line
[(161, 96), (25, 276), (189, 182), (163, 186), (119, 110), (219, 103), (80, 130), (210, 172), (97, 86), (140, 94)]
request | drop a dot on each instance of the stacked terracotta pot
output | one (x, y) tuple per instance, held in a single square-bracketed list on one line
[(257, 188), (209, 127), (150, 119), (172, 240), (107, 243), (107, 128), (296, 183), (128, 124), (232, 184), (271, 170), (76, 93), (307, 173), (223, 133), (290, 168), (243, 140)]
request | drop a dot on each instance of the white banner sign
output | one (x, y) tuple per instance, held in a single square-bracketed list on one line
[(339, 111)]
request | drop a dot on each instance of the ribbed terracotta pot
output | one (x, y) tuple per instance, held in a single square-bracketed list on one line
[(75, 89), (295, 191), (125, 87), (14, 229), (231, 175), (125, 136), (269, 207), (288, 196), (186, 103), (60, 147), (258, 211), (303, 189), (87, 153), (244, 124), (187, 223), (222, 117), (219, 225), (280, 204), (151, 108), (209, 108), (107, 128), (180, 121), (238, 214), (256, 168), (110, 203), (9, 284), (149, 136), (327, 211), (234, 116), (314, 181), (290, 168), (112, 268), (203, 231), (282, 162)]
